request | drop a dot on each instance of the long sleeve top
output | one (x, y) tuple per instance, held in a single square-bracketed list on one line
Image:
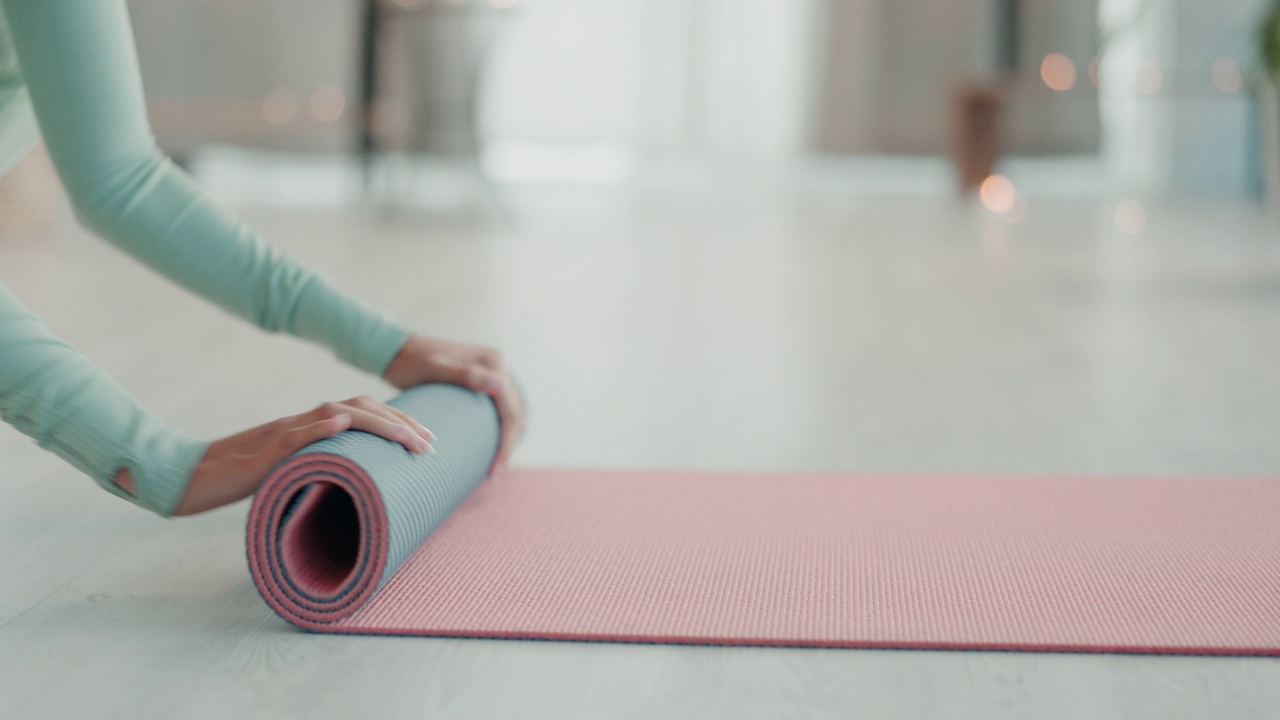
[(74, 64)]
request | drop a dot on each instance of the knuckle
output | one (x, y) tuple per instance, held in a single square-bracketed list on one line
[(329, 410)]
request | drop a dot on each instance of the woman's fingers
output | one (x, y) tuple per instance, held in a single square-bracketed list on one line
[(469, 375), (232, 467), (511, 417), (393, 430), (469, 354), (392, 414), (484, 357), (377, 419), (486, 379), (297, 438)]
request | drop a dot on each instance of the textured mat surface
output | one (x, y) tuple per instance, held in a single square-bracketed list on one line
[(1087, 564)]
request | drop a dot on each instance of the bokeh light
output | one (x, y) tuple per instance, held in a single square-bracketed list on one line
[(1150, 77), (1227, 76), (1131, 217), (1058, 72), (998, 194)]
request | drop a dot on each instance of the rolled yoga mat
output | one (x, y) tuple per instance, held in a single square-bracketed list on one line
[(356, 535)]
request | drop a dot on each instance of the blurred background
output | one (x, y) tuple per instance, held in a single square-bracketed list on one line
[(1018, 237), (1158, 97), (909, 235)]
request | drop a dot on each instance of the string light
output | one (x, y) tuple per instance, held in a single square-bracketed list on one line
[(1058, 72), (1227, 76), (998, 194)]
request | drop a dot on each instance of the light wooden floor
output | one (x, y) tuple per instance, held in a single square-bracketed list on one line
[(775, 327)]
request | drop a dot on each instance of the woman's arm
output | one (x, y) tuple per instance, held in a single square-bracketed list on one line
[(82, 75), (81, 70), (72, 407)]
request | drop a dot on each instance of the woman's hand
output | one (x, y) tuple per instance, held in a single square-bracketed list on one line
[(423, 360), (233, 467)]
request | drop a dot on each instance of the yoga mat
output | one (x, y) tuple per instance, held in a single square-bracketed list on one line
[(356, 535)]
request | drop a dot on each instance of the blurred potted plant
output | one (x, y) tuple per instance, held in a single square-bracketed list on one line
[(1269, 102)]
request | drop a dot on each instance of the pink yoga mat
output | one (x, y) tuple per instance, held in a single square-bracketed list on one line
[(823, 560)]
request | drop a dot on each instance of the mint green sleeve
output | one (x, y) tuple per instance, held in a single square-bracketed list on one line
[(72, 407), (81, 72)]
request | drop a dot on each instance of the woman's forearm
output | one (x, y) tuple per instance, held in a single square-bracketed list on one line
[(81, 69), (73, 408)]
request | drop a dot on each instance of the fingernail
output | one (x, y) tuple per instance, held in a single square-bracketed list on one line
[(430, 435)]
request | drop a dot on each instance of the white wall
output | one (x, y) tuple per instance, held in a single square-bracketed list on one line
[(566, 71), (658, 76), (207, 64)]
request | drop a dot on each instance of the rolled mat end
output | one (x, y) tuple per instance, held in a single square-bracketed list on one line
[(332, 523)]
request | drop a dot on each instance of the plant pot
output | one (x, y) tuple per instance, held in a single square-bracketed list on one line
[(977, 134)]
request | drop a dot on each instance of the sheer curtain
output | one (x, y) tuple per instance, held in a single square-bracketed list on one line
[(730, 77)]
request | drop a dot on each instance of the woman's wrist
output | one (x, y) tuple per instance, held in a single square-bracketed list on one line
[(400, 371)]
